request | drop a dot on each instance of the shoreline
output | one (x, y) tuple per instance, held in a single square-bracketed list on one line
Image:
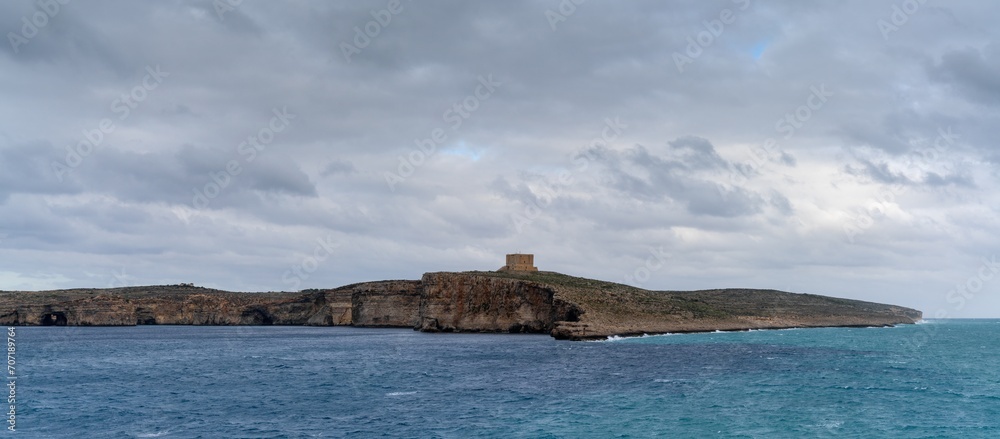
[(565, 307)]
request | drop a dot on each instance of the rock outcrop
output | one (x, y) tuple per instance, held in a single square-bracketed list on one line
[(537, 302), (394, 303), (461, 302)]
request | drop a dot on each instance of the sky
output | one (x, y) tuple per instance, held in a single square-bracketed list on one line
[(841, 148)]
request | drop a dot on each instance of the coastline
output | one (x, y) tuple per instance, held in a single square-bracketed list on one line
[(565, 307)]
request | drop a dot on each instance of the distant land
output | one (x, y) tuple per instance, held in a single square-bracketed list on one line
[(563, 306)]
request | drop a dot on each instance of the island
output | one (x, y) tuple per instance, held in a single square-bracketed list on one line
[(515, 299)]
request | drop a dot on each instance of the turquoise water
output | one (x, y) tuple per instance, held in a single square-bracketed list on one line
[(940, 379)]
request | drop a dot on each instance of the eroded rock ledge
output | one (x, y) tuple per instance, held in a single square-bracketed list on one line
[(539, 302)]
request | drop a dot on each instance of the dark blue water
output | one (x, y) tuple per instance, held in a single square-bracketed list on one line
[(940, 379)]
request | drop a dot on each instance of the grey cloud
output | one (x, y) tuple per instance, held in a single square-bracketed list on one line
[(172, 176), (780, 202), (880, 172), (787, 159), (874, 137), (338, 167), (710, 199), (971, 72), (280, 175), (640, 173), (31, 224), (28, 169), (687, 152), (64, 40), (521, 192), (935, 179)]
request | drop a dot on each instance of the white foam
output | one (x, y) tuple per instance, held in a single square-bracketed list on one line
[(400, 393), (626, 337)]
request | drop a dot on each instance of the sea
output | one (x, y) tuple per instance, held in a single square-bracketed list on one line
[(938, 379)]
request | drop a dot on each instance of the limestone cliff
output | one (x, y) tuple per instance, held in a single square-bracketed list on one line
[(540, 302), (469, 302), (172, 305), (393, 303)]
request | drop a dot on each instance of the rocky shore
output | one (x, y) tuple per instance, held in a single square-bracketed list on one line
[(564, 306)]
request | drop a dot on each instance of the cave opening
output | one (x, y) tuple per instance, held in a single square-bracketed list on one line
[(144, 316), (256, 316), (53, 319), (573, 315)]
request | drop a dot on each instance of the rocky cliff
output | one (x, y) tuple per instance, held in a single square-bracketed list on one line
[(464, 302), (172, 305), (393, 303), (539, 302)]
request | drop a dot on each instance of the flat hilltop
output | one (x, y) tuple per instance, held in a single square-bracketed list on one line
[(567, 307)]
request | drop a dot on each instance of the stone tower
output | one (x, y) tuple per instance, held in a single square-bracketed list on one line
[(520, 262)]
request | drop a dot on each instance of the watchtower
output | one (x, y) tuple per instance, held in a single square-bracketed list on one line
[(520, 262)]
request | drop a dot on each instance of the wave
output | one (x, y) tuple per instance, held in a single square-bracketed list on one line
[(400, 393), (717, 331), (626, 337)]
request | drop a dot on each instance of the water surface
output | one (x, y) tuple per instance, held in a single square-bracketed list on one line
[(938, 379)]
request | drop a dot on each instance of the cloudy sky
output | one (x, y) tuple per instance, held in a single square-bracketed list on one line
[(841, 148)]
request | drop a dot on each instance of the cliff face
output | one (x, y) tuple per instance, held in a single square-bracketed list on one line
[(335, 310), (541, 302), (463, 302), (394, 303), (171, 305)]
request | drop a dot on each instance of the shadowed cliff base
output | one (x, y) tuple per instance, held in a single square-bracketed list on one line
[(564, 306)]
